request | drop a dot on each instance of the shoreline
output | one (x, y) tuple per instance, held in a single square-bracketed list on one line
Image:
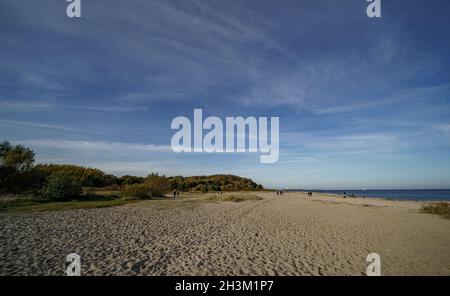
[(368, 197)]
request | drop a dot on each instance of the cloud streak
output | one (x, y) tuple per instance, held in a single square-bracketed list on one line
[(95, 146)]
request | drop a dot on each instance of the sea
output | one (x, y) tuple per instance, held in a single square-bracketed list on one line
[(396, 194)]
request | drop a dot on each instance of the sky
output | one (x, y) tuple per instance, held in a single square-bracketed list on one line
[(363, 102)]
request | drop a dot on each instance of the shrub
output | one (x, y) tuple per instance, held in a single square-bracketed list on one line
[(155, 186), (61, 186), (88, 177), (158, 185), (137, 191), (441, 208)]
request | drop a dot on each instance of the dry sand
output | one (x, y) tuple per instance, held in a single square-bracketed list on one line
[(289, 235)]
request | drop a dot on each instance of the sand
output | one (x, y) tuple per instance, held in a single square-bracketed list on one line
[(289, 235)]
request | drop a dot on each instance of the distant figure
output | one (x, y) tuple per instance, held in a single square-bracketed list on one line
[(309, 193), (278, 192), (175, 194)]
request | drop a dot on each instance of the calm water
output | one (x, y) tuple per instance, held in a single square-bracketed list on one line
[(403, 194)]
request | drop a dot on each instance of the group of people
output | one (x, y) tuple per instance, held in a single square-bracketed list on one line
[(309, 193), (349, 195), (176, 194), (280, 192)]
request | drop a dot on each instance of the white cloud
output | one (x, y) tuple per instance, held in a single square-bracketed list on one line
[(95, 146), (35, 125), (24, 106), (444, 130)]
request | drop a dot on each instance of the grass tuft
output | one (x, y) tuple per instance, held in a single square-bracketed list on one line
[(40, 206), (233, 197), (441, 208)]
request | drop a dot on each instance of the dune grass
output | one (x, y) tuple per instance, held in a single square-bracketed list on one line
[(32, 204), (234, 197), (441, 208), (22, 204)]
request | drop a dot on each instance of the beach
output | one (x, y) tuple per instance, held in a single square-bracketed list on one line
[(291, 234)]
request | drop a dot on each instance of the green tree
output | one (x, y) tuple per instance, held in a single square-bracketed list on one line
[(18, 157), (129, 180), (16, 162)]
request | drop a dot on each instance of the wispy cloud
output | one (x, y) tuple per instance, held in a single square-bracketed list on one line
[(444, 130), (97, 146), (39, 81), (36, 125), (24, 106)]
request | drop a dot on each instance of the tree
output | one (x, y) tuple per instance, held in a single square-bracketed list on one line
[(16, 162), (18, 157), (129, 180)]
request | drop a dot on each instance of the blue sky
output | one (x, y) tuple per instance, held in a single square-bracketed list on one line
[(363, 103)]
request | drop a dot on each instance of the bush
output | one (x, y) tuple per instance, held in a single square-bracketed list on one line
[(151, 188), (158, 185), (137, 191), (61, 186), (88, 177), (441, 208)]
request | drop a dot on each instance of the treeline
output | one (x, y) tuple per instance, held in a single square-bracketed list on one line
[(213, 183), (18, 174)]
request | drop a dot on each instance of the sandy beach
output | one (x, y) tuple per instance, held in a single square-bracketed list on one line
[(289, 235)]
